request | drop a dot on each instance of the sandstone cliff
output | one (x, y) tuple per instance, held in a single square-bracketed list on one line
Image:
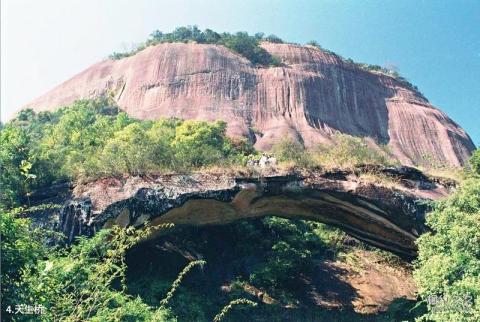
[(313, 95)]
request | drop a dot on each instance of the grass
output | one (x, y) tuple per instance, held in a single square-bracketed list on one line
[(345, 152), (380, 179)]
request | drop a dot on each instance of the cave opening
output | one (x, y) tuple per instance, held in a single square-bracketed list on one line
[(291, 267)]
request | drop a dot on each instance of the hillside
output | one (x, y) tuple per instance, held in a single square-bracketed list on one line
[(308, 97)]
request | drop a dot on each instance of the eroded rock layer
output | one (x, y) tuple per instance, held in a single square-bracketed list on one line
[(313, 95), (385, 216)]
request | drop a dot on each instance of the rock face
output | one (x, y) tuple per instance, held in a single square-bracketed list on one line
[(388, 217), (313, 95)]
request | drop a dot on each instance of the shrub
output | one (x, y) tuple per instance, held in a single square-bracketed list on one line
[(345, 151), (130, 150), (475, 161), (289, 251), (248, 47), (21, 247), (14, 149), (448, 266), (288, 150), (87, 282), (200, 143), (350, 151)]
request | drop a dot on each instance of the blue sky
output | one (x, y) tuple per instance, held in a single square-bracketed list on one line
[(435, 44)]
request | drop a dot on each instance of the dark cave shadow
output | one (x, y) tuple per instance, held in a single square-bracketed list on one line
[(165, 257)]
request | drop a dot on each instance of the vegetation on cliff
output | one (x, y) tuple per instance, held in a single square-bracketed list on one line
[(344, 152), (240, 42), (91, 139), (247, 46)]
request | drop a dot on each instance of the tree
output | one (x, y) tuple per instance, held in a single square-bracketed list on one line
[(200, 143), (210, 37), (448, 266), (85, 283), (274, 39), (20, 248), (475, 161), (14, 151), (129, 151), (314, 43)]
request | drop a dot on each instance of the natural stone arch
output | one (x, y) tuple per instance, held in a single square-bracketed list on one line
[(390, 218)]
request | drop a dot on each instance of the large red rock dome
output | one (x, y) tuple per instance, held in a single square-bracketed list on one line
[(311, 96)]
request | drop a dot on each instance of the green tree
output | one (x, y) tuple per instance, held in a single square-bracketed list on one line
[(21, 248), (248, 47), (274, 39), (71, 144), (130, 151), (288, 150), (448, 266), (200, 143), (475, 161), (14, 151), (87, 282)]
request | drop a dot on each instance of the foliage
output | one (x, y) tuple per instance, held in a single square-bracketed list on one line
[(84, 283), (249, 253), (70, 144), (14, 142), (293, 151), (21, 247), (352, 151), (314, 43), (220, 316), (274, 39), (248, 47), (344, 152), (388, 72), (77, 285), (448, 266), (37, 149), (179, 279), (90, 139), (475, 161), (240, 42), (289, 253)]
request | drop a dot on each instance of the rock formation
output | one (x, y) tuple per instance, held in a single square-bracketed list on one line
[(387, 217), (313, 95)]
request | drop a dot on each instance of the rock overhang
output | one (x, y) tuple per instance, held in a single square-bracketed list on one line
[(387, 217)]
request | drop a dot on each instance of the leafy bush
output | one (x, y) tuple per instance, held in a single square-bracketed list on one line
[(345, 151), (448, 266), (292, 151), (248, 47), (348, 151), (85, 283), (475, 161), (14, 142), (21, 247), (201, 143)]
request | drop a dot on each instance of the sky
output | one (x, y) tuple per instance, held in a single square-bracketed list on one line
[(435, 44)]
